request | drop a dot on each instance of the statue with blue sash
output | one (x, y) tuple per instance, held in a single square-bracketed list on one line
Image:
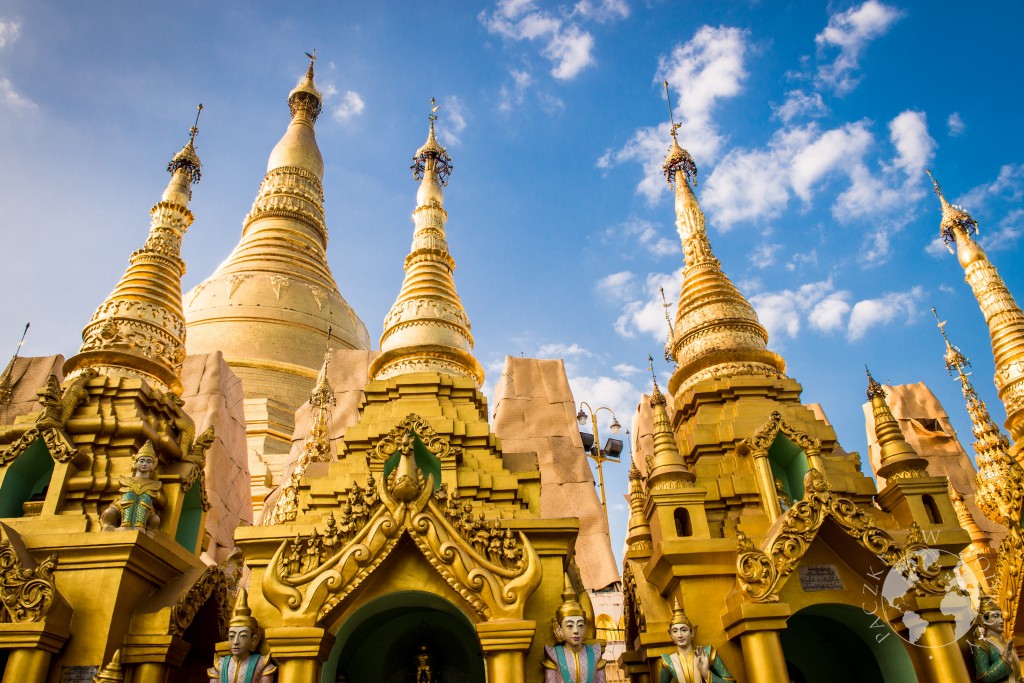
[(572, 660), (141, 496), (245, 664), (690, 663)]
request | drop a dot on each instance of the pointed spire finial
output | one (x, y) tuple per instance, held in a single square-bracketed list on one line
[(187, 159), (305, 98), (657, 398), (432, 155), (953, 217), (6, 385), (954, 358), (874, 388), (670, 340), (897, 458), (678, 159)]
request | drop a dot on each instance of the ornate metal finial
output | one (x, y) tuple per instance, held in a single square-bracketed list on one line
[(305, 97), (657, 398), (6, 385), (187, 159), (954, 358), (953, 217), (670, 340), (678, 159), (874, 388), (432, 154)]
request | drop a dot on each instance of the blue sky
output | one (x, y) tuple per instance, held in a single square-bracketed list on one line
[(811, 124)]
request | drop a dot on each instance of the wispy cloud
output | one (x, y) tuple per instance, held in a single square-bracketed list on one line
[(560, 34), (645, 234), (888, 308), (642, 310), (955, 124), (850, 32), (511, 97), (705, 70), (351, 105), (9, 32), (800, 104), (14, 100), (763, 255), (453, 120)]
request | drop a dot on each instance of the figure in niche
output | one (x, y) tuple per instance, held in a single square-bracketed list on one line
[(425, 666), (995, 660), (572, 660), (690, 663), (370, 497), (141, 496), (359, 512), (785, 502), (481, 536), (245, 664)]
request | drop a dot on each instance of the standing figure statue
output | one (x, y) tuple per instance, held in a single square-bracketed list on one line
[(785, 502), (572, 660), (245, 664), (690, 663), (141, 495), (995, 660)]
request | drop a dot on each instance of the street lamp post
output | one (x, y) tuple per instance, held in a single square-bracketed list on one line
[(611, 450)]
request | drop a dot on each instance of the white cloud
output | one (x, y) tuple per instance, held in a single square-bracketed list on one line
[(351, 105), (645, 234), (955, 125), (797, 104), (936, 248), (9, 32), (915, 148), (626, 370), (644, 312), (832, 151), (12, 99), (558, 350), (888, 308), (1006, 234), (701, 72), (612, 392), (828, 314), (617, 287), (452, 120), (602, 10), (564, 42), (778, 312), (851, 31), (1008, 186), (782, 312), (746, 185), (801, 259), (511, 98), (763, 255)]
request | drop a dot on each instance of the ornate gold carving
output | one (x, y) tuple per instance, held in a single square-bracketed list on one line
[(278, 283), (761, 572), (27, 594), (196, 456), (762, 439), (234, 280), (319, 295), (492, 590), (211, 583), (398, 439), (57, 406), (635, 621)]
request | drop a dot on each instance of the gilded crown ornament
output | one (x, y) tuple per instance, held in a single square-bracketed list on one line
[(678, 159), (245, 664), (571, 660)]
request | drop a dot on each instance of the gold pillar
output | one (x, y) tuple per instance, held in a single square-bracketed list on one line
[(150, 672), (814, 460), (299, 652), (762, 655), (766, 483), (940, 656), (504, 644), (27, 666)]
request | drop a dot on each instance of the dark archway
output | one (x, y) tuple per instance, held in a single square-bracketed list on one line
[(379, 641), (835, 643), (27, 480)]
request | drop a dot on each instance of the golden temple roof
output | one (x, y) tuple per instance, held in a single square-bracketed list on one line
[(427, 329), (139, 330)]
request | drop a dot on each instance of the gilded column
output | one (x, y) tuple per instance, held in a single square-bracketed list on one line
[(299, 652), (505, 643), (139, 331), (27, 666), (1003, 316), (427, 329), (763, 657)]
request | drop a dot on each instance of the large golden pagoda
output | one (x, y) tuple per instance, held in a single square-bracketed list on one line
[(268, 307)]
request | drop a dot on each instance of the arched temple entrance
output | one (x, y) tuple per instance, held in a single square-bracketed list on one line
[(380, 641), (834, 643)]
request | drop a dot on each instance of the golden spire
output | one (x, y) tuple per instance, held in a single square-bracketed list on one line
[(317, 447), (638, 534), (898, 458), (298, 148), (111, 671), (667, 463), (716, 332), (981, 542), (427, 329), (6, 383), (1003, 316), (140, 329), (1000, 477)]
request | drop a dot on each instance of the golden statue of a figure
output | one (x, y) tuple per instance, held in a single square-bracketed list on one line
[(690, 663), (995, 660), (245, 664), (572, 660), (141, 496)]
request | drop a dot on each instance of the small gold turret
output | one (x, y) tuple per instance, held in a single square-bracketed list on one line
[(716, 332), (317, 448), (140, 329), (1003, 316), (638, 534), (667, 462), (1000, 477), (898, 458), (427, 329)]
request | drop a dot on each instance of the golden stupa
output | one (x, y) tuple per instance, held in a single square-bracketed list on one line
[(201, 462)]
